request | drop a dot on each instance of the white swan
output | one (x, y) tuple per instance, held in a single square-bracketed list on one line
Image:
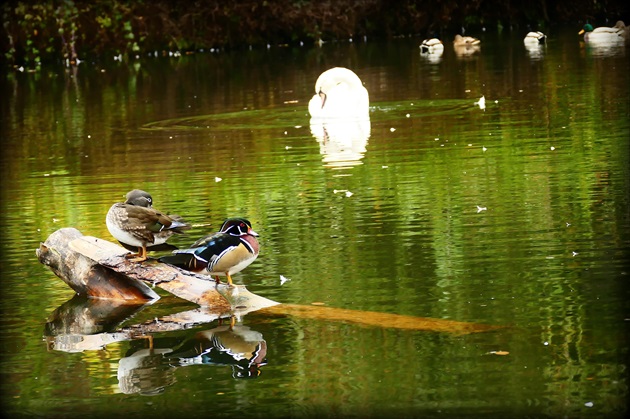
[(339, 93)]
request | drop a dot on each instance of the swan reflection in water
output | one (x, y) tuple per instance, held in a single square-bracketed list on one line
[(342, 143)]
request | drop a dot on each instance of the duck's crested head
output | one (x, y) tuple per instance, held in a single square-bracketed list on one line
[(238, 227), (139, 198)]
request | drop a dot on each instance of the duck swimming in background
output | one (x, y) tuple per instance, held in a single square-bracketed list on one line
[(432, 46), (339, 93), (136, 223), (224, 253), (536, 37), (465, 41), (603, 34)]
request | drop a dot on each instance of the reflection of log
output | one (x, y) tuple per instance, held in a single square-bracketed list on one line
[(376, 319)]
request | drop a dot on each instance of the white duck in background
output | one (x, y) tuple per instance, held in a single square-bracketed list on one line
[(535, 38), (466, 46), (339, 94), (432, 46), (465, 41)]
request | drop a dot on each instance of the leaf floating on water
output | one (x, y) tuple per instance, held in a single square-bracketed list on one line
[(503, 353), (283, 279), (318, 303)]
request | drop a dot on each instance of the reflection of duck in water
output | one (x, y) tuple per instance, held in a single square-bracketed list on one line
[(243, 349), (342, 143), (145, 372), (339, 94)]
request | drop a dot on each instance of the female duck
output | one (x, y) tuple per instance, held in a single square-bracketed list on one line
[(136, 223), (339, 93)]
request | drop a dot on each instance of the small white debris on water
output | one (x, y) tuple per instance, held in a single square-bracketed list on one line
[(483, 148), (345, 191), (283, 279), (288, 147), (384, 167), (552, 148), (574, 254), (407, 115), (588, 404), (479, 209), (392, 129), (481, 103), (217, 179)]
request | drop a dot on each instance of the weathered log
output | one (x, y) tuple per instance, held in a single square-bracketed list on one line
[(97, 268), (85, 276)]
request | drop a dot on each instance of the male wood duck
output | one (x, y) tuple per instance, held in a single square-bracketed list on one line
[(224, 253), (136, 223)]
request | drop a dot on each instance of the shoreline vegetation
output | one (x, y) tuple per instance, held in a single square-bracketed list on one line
[(71, 31)]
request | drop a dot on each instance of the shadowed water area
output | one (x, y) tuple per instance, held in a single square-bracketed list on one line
[(514, 215)]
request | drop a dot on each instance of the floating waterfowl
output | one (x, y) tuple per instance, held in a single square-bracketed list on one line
[(339, 93)]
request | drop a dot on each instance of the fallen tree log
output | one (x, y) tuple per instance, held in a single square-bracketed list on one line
[(98, 268)]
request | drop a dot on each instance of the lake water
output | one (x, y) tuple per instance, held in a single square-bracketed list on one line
[(515, 216)]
